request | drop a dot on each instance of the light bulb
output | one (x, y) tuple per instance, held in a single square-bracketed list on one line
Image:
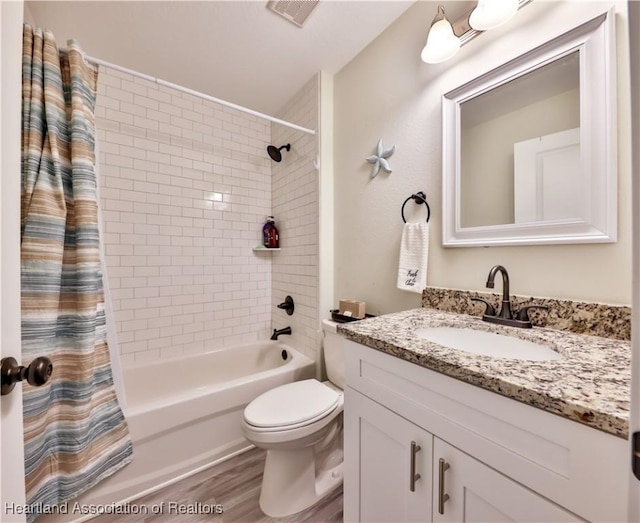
[(442, 43), (490, 14)]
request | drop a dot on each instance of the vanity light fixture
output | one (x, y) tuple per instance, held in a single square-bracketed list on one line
[(442, 43), (490, 14), (445, 38)]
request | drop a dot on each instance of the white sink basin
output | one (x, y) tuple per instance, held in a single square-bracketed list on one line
[(487, 343)]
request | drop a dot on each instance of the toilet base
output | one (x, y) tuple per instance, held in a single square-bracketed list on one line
[(290, 483)]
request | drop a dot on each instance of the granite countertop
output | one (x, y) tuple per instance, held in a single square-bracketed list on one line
[(590, 385)]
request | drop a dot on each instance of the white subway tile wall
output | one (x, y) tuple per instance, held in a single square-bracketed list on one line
[(185, 187), (295, 207)]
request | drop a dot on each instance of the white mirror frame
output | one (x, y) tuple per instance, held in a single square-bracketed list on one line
[(595, 41)]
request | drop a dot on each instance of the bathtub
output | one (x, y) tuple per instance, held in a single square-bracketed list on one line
[(184, 414)]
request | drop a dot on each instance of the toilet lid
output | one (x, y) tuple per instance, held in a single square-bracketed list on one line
[(291, 404)]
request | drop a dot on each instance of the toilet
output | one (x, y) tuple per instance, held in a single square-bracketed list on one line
[(300, 426)]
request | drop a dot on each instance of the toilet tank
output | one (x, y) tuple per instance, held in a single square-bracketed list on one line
[(333, 353)]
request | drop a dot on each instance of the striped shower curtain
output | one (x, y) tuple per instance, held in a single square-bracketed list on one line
[(74, 431)]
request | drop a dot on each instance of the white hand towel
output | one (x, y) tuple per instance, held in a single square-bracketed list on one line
[(414, 252)]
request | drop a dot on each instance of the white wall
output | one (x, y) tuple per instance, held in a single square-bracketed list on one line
[(28, 16), (387, 92), (12, 491), (185, 186), (326, 299), (634, 422), (294, 195)]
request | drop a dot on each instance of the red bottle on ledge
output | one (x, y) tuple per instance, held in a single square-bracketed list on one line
[(270, 235)]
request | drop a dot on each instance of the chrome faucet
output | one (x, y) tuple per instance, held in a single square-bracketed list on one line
[(276, 332), (506, 316)]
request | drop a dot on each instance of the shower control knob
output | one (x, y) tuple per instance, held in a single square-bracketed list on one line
[(37, 373), (287, 305)]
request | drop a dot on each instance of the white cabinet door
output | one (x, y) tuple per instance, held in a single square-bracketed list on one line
[(378, 464), (477, 493)]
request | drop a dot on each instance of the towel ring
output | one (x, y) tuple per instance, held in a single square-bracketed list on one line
[(419, 198)]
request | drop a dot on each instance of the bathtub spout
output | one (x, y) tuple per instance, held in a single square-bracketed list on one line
[(276, 332)]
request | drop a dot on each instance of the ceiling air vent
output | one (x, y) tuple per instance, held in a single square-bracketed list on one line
[(296, 11)]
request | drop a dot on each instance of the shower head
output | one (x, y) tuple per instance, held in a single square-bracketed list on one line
[(275, 153)]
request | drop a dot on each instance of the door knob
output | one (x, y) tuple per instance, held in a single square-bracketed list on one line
[(37, 373)]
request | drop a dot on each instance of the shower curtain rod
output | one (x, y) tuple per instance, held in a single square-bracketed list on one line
[(97, 61)]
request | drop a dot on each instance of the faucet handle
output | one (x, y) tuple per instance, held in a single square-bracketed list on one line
[(523, 314), (287, 305), (489, 309)]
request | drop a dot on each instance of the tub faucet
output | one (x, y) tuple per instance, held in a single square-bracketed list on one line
[(278, 332), (506, 316)]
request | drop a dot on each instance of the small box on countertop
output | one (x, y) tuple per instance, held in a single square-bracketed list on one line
[(353, 308)]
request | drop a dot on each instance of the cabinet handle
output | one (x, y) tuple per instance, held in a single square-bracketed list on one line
[(415, 448), (442, 497)]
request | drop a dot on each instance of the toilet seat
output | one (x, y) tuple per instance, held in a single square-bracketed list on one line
[(291, 406)]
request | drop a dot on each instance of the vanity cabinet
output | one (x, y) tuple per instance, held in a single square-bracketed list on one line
[(384, 452), (501, 460)]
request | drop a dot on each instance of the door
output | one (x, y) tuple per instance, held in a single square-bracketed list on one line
[(466, 490), (383, 452), (548, 183), (634, 426), (12, 496)]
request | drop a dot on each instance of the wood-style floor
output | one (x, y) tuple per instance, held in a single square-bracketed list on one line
[(233, 485)]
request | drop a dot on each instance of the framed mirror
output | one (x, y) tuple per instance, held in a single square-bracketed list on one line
[(529, 148)]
